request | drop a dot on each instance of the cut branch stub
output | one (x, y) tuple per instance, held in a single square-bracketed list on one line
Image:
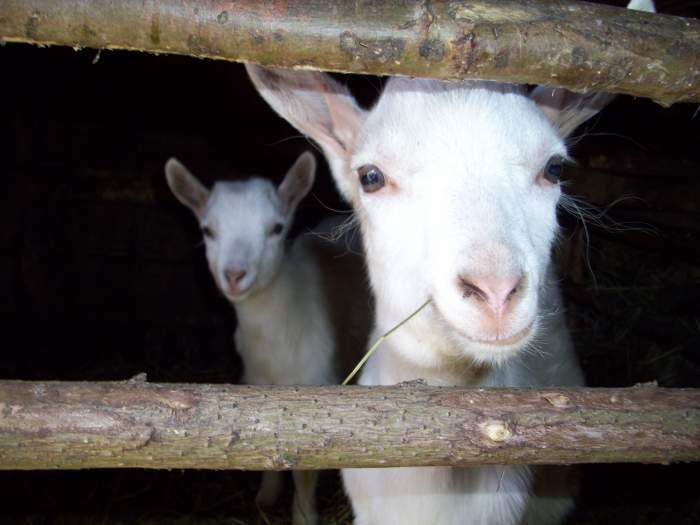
[(576, 45)]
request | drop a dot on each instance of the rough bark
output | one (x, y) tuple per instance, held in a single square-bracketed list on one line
[(576, 45), (54, 425)]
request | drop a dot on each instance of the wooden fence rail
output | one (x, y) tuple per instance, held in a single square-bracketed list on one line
[(65, 425), (577, 45)]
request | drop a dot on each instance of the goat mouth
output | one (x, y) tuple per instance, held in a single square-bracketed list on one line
[(506, 341), (238, 295), (510, 341)]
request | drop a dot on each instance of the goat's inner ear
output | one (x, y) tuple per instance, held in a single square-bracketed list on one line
[(186, 187), (297, 182), (567, 110), (318, 106), (314, 103), (345, 120)]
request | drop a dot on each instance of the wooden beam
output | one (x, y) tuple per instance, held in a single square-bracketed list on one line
[(577, 45), (57, 425)]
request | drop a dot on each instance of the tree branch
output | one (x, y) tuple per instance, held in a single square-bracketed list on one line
[(57, 425), (576, 45)]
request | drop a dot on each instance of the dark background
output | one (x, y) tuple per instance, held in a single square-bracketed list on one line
[(102, 274)]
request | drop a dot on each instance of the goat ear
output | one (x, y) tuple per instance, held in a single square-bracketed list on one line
[(297, 182), (319, 107), (312, 102), (567, 110), (642, 5), (185, 186)]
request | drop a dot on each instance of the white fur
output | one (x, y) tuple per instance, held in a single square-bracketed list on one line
[(289, 332), (464, 196)]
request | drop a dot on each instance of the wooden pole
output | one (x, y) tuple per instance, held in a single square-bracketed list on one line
[(577, 45), (56, 425)]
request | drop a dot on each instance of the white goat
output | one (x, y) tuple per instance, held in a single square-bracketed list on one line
[(296, 323), (456, 187)]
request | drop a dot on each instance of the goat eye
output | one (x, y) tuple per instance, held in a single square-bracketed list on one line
[(277, 229), (371, 178), (208, 232), (554, 170)]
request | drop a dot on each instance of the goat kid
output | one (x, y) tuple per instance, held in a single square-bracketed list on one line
[(456, 186), (296, 323)]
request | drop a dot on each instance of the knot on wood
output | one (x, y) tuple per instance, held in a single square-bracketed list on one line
[(498, 431), (465, 52), (414, 383), (557, 400), (141, 377), (432, 49), (380, 50), (139, 438), (282, 462)]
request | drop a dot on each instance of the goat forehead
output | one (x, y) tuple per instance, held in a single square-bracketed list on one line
[(239, 204), (412, 97), (477, 125)]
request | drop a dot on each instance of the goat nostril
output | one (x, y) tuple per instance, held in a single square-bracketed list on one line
[(520, 285), (496, 290), (234, 277), (470, 289)]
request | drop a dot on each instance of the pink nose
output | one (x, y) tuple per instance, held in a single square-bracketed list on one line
[(233, 277), (495, 290)]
